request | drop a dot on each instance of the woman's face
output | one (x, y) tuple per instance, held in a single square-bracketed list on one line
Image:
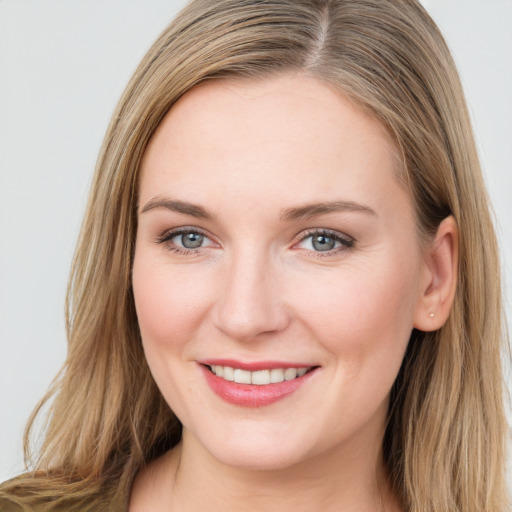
[(275, 236)]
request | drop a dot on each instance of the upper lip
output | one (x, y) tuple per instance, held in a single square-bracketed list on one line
[(254, 365)]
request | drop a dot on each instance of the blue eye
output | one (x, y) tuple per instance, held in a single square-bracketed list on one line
[(325, 241), (190, 240), (184, 240)]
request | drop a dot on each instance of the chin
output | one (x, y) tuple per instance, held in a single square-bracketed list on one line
[(257, 453), (267, 459)]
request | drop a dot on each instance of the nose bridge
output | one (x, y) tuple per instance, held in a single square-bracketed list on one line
[(250, 302)]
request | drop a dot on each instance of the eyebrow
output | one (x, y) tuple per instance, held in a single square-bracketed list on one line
[(178, 206), (309, 211)]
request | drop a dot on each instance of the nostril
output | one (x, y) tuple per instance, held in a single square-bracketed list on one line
[(250, 304)]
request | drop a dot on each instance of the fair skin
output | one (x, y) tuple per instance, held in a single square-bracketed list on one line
[(273, 228)]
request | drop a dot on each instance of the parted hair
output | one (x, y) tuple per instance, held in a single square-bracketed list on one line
[(444, 446)]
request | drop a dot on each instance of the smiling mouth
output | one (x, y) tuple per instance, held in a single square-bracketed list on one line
[(257, 383), (258, 377)]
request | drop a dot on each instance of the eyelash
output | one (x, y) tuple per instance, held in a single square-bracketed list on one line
[(345, 241), (165, 239)]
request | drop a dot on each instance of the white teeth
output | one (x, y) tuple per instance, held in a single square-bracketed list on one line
[(290, 373), (259, 377), (276, 375), (242, 376), (227, 373)]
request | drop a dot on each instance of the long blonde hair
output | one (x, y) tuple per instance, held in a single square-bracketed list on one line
[(444, 446)]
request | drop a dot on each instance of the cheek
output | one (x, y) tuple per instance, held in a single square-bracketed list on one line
[(362, 316), (170, 303)]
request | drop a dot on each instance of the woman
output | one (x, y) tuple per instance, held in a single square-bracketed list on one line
[(277, 290)]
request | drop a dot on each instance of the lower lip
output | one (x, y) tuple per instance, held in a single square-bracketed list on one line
[(251, 395)]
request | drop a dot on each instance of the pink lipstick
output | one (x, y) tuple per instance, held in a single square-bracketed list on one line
[(254, 384)]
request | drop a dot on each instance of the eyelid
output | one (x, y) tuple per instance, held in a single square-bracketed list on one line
[(346, 241), (166, 237)]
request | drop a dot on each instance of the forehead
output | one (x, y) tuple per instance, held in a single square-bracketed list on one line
[(293, 134)]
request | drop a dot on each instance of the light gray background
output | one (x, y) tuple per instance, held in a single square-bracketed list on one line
[(63, 66)]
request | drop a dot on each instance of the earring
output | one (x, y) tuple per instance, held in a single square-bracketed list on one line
[(432, 315)]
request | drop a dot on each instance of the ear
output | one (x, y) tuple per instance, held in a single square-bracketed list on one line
[(439, 281)]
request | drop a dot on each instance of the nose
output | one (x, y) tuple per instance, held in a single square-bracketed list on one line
[(250, 303)]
